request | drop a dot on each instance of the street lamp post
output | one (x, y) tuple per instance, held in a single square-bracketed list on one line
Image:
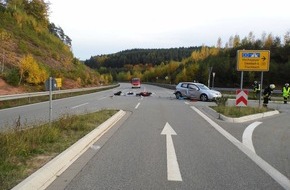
[(2, 64), (213, 75), (209, 72)]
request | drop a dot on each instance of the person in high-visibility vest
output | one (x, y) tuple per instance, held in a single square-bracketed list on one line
[(267, 94), (256, 89), (286, 92)]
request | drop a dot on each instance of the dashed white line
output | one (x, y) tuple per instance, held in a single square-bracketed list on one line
[(95, 147), (137, 105), (247, 135), (79, 105), (102, 98)]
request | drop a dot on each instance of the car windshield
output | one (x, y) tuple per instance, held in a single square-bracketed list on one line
[(203, 87), (135, 80)]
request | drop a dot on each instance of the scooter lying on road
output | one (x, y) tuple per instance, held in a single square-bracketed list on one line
[(144, 93)]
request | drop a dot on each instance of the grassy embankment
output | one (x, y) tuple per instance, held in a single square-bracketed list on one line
[(25, 151)]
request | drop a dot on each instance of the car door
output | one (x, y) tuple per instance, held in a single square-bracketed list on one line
[(184, 89), (192, 91)]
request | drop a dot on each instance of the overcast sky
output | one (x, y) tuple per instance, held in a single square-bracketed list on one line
[(99, 27)]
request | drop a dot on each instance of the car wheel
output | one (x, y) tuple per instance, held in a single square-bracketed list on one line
[(178, 95), (203, 97)]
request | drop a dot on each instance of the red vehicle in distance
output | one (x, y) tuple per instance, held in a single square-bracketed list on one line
[(136, 83)]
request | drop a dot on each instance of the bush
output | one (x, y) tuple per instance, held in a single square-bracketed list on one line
[(222, 101), (13, 77), (234, 111), (31, 71)]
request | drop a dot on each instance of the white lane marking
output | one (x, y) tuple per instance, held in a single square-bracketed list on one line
[(137, 105), (275, 174), (102, 98), (173, 172), (79, 105), (95, 147), (247, 135), (186, 103)]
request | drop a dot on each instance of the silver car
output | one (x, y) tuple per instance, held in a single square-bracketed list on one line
[(196, 91)]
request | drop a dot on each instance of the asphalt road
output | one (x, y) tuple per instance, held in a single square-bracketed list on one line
[(165, 143)]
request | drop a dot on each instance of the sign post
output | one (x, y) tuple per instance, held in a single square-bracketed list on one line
[(50, 85), (213, 75)]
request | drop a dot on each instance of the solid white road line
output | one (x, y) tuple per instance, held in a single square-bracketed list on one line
[(275, 174), (79, 105), (247, 135), (173, 172), (137, 105)]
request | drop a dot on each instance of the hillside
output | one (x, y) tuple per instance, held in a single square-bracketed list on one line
[(8, 89), (32, 49)]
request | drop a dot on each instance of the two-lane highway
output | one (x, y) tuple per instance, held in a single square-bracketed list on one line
[(39, 113), (166, 144)]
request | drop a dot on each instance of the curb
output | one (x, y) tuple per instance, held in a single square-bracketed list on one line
[(248, 118), (43, 177)]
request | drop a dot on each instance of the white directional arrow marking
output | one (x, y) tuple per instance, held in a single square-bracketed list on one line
[(247, 135), (173, 172)]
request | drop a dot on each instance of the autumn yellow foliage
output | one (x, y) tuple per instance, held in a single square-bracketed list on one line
[(31, 72), (202, 54)]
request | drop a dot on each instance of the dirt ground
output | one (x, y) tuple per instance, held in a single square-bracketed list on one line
[(6, 89)]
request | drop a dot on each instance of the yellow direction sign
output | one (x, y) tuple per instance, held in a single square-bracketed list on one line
[(58, 82), (253, 60)]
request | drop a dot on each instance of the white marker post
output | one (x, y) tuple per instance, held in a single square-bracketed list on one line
[(50, 99)]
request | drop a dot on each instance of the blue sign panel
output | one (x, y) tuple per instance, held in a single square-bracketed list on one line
[(251, 55)]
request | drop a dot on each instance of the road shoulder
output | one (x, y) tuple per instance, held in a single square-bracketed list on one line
[(43, 177)]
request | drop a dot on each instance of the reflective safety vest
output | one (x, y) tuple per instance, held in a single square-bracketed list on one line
[(286, 91), (257, 88)]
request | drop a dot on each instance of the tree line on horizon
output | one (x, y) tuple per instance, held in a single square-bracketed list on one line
[(198, 63)]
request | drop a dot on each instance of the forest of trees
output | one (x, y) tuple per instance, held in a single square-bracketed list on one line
[(194, 63), (140, 56)]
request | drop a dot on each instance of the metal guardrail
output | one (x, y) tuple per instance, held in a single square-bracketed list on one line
[(171, 86), (46, 93)]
